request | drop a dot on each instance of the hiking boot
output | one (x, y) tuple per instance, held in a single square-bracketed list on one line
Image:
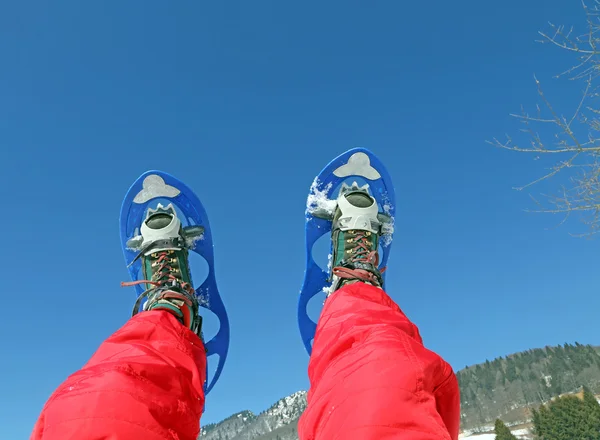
[(355, 235), (163, 248)]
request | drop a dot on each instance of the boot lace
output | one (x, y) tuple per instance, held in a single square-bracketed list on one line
[(162, 278), (361, 256)]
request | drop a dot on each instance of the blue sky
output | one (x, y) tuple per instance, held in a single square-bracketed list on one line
[(246, 102)]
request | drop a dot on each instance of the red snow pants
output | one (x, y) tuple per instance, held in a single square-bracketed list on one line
[(144, 382), (371, 378)]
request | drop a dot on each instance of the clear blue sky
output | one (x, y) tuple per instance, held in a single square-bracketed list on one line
[(246, 102)]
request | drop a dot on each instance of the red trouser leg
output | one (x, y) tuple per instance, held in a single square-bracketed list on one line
[(144, 382), (372, 379)]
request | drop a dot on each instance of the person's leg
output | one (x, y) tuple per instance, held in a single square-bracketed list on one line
[(146, 380), (370, 376)]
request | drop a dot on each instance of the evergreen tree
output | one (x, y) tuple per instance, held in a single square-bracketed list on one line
[(502, 432), (537, 423), (591, 409), (511, 370), (568, 418), (540, 422)]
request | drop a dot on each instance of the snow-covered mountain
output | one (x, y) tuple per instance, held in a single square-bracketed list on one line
[(279, 422)]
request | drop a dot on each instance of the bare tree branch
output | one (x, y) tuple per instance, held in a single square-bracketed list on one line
[(575, 137)]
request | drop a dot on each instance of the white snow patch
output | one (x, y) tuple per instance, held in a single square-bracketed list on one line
[(548, 381), (387, 229), (204, 298), (469, 435), (318, 199), (477, 431), (490, 436), (190, 242), (328, 289), (285, 410)]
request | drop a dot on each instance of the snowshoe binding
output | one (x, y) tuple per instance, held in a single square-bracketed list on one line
[(162, 246)]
